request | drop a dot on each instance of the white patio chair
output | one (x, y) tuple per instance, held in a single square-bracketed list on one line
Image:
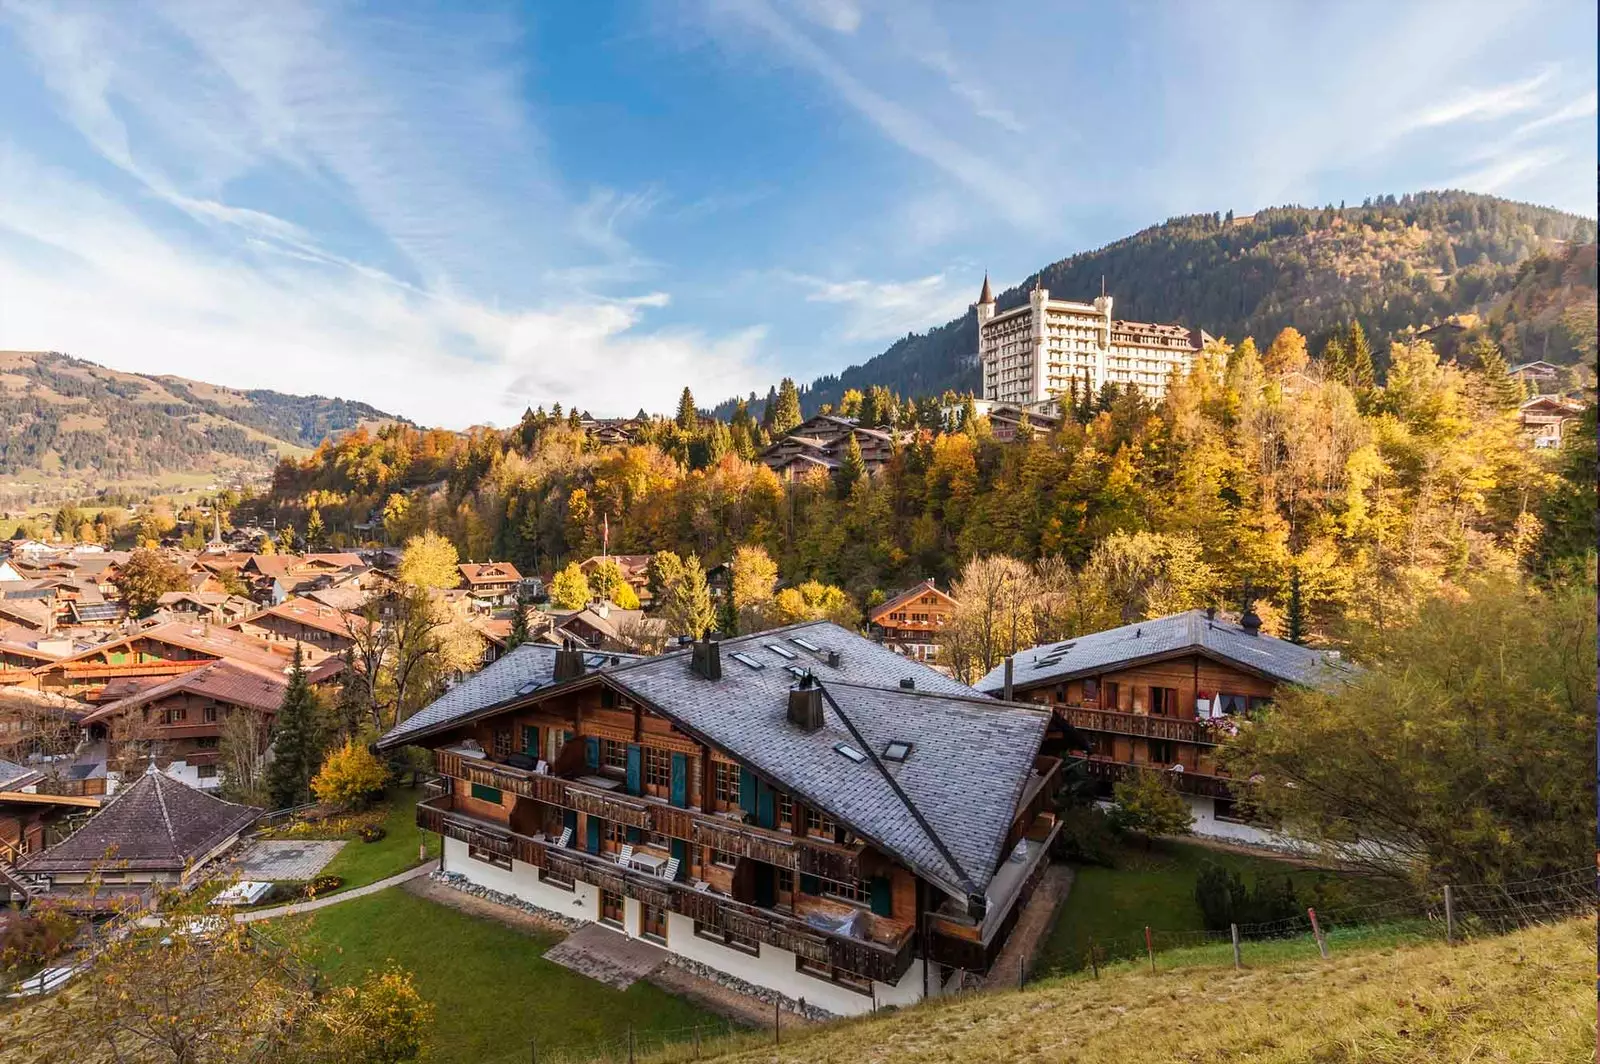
[(626, 856), (670, 870)]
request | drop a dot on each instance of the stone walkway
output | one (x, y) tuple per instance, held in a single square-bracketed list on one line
[(1038, 916), (607, 956), (296, 908), (286, 860)]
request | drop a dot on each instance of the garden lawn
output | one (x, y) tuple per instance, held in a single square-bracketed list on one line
[(359, 863), (1155, 888), (490, 984)]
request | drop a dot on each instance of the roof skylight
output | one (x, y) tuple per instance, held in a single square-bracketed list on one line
[(746, 660), (806, 644), (782, 651), (850, 753), (897, 750), (528, 688)]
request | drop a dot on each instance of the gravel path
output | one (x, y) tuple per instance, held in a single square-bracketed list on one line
[(295, 908)]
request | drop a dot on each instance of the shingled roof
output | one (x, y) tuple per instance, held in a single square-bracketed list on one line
[(1162, 637), (154, 824), (970, 756), (225, 681)]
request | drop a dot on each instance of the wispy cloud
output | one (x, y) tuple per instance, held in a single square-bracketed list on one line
[(881, 310), (1583, 107), (1483, 105), (1504, 168)]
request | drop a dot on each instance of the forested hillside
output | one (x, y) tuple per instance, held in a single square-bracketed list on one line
[(1393, 264), (67, 424)]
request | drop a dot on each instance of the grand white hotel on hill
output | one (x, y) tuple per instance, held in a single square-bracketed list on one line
[(1033, 353)]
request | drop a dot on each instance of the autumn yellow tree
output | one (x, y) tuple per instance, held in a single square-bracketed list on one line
[(351, 775), (429, 562)]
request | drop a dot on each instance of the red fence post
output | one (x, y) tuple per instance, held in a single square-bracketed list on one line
[(1317, 931), (1149, 947)]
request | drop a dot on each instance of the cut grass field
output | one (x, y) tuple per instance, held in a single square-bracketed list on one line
[(359, 863), (1525, 998), (1154, 887), (490, 984)]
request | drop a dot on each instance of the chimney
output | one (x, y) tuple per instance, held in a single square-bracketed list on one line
[(1010, 667), (569, 663), (706, 659), (603, 608), (1211, 613), (834, 659), (805, 704), (908, 684), (1250, 622)]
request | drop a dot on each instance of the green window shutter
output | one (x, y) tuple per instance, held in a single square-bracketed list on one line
[(747, 790), (634, 769), (680, 853), (766, 806), (569, 819), (594, 835), (809, 884), (634, 835), (680, 780), (530, 740), (485, 794), (882, 897), (591, 753)]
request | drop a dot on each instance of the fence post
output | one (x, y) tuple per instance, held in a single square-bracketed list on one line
[(1449, 916), (1149, 947), (777, 1011), (630, 1043), (1316, 930), (697, 1042), (1094, 964), (1022, 973), (533, 1052), (1235, 929)]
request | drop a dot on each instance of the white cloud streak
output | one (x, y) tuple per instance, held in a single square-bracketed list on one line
[(883, 310)]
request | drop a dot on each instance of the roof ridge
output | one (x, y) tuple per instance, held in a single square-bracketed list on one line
[(161, 799)]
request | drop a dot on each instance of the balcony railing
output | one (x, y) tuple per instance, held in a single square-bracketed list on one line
[(1188, 781), (1148, 726), (796, 853), (884, 962), (92, 787)]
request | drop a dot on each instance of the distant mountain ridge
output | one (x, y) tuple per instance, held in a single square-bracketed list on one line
[(65, 422), (1393, 262)]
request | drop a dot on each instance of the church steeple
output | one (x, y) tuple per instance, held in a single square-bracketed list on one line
[(987, 295)]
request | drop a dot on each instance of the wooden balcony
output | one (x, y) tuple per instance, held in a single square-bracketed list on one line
[(1145, 726), (94, 786), (885, 962), (798, 853), (1187, 781)]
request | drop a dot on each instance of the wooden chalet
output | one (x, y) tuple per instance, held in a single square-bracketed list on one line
[(820, 444), (800, 809), (162, 650), (177, 723), (319, 629), (1545, 419), (491, 583), (155, 833), (1158, 695), (212, 607), (909, 622), (277, 577), (635, 570)]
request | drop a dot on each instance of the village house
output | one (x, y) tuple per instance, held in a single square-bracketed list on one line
[(155, 833), (161, 650), (33, 814), (1158, 695), (909, 623), (820, 444), (602, 626), (635, 571), (801, 810), (177, 724), (491, 583), (320, 630), (278, 577), (212, 607), (1545, 419)]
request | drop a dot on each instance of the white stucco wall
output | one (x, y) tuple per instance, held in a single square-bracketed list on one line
[(189, 775), (774, 968), (1206, 824)]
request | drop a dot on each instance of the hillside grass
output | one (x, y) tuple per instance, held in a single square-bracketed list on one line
[(1518, 999), (360, 863), (1154, 887)]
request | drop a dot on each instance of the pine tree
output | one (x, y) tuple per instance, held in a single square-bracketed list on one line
[(519, 626), (1297, 609), (769, 411), (786, 416), (851, 468), (1504, 390), (1335, 360), (296, 741), (314, 528), (1085, 411), (688, 417), (1362, 377), (354, 703)]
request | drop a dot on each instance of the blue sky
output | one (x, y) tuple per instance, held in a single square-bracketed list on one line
[(457, 213)]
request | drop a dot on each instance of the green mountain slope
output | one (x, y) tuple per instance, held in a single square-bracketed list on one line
[(1392, 263), (67, 424)]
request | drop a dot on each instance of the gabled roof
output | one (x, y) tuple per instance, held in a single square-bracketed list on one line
[(488, 572), (282, 566), (309, 612), (1162, 637), (522, 671), (911, 594), (225, 681), (155, 824), (14, 777), (200, 638), (970, 760)]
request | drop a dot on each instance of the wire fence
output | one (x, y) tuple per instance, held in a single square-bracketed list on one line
[(657, 1045)]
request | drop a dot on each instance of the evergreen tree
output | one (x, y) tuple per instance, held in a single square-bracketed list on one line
[(851, 468), (769, 411), (296, 741), (688, 417), (787, 414), (1085, 411), (1108, 396), (314, 528), (354, 704), (1504, 390), (1363, 378), (1297, 609), (519, 626), (1335, 360)]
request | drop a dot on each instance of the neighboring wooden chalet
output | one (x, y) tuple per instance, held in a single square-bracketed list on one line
[(821, 442), (213, 607), (491, 583), (602, 626), (1545, 419), (33, 815), (155, 833), (635, 570), (800, 809), (909, 622), (320, 630), (162, 650), (21, 652), (1158, 695), (277, 577), (1006, 421), (177, 724)]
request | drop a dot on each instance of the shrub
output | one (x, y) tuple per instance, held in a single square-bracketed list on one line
[(371, 832), (36, 938), (1225, 899), (1089, 835), (1148, 802), (350, 775), (321, 885)]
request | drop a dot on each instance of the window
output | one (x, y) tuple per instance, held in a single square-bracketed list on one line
[(486, 794), (207, 742), (502, 742), (727, 782), (806, 644), (614, 754), (1258, 705), (1091, 691), (785, 811), (855, 891), (746, 660), (488, 856), (610, 908), (1231, 703), (653, 923), (657, 769), (616, 834), (820, 824), (724, 858), (849, 752), (729, 939), (1113, 693), (206, 772), (209, 714), (176, 715), (782, 651), (1163, 700), (1160, 751), (786, 882)]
